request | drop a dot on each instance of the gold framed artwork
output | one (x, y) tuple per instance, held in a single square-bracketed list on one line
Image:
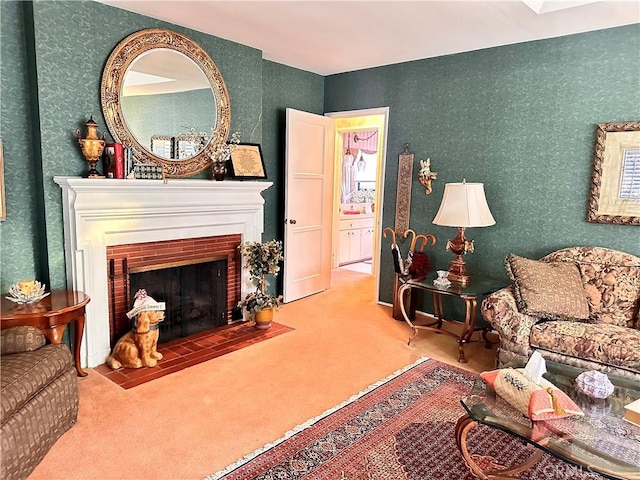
[(3, 207), (247, 161), (615, 183)]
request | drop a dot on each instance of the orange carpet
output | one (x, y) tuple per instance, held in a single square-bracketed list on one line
[(201, 419)]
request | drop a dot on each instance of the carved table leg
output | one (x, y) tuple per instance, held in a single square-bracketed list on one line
[(464, 425)]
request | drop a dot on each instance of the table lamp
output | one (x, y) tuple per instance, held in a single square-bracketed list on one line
[(463, 205)]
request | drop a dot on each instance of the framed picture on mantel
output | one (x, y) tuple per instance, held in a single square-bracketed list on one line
[(615, 183), (247, 162)]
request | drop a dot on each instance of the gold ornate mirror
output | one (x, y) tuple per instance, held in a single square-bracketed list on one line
[(158, 84)]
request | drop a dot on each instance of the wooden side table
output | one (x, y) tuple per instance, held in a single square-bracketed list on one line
[(51, 315), (469, 295)]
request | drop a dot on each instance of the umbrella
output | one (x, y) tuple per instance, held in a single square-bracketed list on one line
[(398, 264)]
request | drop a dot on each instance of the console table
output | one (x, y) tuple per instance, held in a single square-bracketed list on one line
[(51, 315), (469, 295)]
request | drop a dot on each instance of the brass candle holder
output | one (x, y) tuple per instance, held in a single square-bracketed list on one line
[(92, 146)]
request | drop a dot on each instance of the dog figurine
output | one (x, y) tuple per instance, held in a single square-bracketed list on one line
[(138, 348)]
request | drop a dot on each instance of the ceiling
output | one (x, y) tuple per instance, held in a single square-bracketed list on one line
[(332, 36)]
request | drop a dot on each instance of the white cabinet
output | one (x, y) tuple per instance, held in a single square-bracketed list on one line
[(356, 238)]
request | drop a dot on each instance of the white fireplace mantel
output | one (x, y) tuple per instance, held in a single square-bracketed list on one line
[(104, 212)]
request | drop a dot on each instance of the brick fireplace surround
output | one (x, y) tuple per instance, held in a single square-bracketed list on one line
[(103, 213)]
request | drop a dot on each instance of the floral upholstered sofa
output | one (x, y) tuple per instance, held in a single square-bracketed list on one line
[(577, 306)]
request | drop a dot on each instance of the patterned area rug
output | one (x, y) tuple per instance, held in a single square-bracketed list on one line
[(400, 428)]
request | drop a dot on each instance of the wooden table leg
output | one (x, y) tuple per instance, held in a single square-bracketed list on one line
[(78, 332), (54, 335)]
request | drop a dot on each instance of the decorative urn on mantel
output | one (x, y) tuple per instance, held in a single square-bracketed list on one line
[(92, 146)]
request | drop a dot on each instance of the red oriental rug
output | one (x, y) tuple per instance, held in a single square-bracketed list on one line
[(400, 428)]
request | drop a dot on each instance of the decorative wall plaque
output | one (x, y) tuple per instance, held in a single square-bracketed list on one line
[(403, 193)]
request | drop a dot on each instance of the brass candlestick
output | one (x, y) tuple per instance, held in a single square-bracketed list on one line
[(92, 146)]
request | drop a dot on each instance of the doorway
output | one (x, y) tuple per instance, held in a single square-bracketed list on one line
[(360, 150)]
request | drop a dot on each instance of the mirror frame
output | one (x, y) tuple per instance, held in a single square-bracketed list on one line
[(111, 87)]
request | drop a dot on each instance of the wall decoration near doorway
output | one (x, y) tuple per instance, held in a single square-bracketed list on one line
[(403, 193), (426, 176), (615, 183)]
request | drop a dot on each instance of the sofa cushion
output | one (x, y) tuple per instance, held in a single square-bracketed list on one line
[(549, 290), (603, 343), (612, 282), (20, 339), (612, 292), (22, 375)]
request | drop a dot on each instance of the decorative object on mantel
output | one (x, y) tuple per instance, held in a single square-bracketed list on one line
[(261, 259), (615, 183), (27, 291), (463, 205), (92, 146), (403, 193), (149, 171), (425, 175), (247, 162), (222, 154)]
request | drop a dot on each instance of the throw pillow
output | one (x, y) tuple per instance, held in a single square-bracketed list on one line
[(552, 290), (21, 339)]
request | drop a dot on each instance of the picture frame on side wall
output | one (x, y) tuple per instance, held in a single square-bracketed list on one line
[(3, 207), (247, 162), (615, 183)]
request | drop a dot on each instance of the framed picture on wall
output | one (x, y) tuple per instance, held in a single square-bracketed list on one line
[(3, 208), (247, 162), (615, 183)]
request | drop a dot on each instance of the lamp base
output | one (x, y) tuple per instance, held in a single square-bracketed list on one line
[(458, 272), (459, 246)]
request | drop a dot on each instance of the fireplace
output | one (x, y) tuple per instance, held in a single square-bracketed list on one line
[(103, 213), (197, 278)]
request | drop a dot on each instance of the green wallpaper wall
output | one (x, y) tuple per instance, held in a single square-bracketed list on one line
[(521, 119), (283, 87), (18, 233)]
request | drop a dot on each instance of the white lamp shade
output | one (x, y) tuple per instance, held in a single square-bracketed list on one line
[(464, 205)]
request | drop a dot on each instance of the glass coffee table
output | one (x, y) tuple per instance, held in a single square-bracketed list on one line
[(600, 442)]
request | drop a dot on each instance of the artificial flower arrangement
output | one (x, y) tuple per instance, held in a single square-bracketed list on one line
[(261, 259), (222, 154)]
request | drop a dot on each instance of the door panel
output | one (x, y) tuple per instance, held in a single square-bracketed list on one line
[(308, 203)]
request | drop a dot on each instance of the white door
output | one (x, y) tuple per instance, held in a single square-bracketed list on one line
[(308, 204)]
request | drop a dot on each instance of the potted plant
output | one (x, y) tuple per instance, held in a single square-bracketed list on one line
[(261, 259)]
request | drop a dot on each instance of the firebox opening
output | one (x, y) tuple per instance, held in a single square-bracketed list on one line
[(195, 295)]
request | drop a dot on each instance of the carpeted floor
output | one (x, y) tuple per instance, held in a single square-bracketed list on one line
[(400, 428), (196, 421)]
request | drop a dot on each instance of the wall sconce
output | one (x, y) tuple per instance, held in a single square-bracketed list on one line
[(425, 175), (463, 205)]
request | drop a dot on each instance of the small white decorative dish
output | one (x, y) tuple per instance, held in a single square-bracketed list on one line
[(27, 291)]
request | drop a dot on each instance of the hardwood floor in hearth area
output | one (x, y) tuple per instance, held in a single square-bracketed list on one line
[(188, 351)]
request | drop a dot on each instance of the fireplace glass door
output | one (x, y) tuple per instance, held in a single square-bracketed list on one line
[(195, 296)]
